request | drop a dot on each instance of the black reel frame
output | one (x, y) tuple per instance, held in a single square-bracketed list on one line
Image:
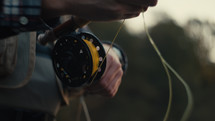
[(72, 59)]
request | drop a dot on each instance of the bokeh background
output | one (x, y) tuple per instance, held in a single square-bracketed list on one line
[(184, 31)]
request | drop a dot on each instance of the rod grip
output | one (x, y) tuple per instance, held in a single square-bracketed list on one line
[(69, 26)]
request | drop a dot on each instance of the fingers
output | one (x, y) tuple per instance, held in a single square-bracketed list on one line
[(143, 3), (95, 10), (130, 11), (109, 83), (113, 86), (110, 87), (131, 8), (115, 11)]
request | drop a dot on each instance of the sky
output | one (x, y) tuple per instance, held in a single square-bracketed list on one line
[(178, 10)]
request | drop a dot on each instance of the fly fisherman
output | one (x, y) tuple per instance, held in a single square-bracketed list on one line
[(29, 88)]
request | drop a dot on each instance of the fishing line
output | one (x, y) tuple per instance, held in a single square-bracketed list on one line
[(167, 67), (86, 112), (79, 109), (111, 45), (84, 105)]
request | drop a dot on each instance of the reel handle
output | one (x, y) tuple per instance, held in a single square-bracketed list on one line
[(69, 26)]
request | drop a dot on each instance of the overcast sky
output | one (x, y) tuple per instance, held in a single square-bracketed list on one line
[(179, 10)]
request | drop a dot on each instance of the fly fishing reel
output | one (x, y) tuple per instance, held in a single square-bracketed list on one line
[(78, 59)]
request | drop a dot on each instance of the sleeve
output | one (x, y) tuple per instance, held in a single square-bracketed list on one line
[(20, 13), (20, 16)]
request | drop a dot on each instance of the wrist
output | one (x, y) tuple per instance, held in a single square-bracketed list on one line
[(120, 54)]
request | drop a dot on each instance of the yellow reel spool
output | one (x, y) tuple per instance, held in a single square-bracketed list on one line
[(95, 55)]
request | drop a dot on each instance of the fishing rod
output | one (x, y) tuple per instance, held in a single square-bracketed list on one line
[(69, 26)]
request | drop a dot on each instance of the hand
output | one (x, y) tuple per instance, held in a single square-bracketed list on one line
[(110, 81), (143, 3), (96, 10)]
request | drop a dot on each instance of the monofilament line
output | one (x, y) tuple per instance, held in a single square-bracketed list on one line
[(166, 67), (84, 105), (111, 45), (87, 115)]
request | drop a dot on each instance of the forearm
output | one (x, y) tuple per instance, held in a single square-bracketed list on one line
[(95, 10), (52, 8), (27, 13)]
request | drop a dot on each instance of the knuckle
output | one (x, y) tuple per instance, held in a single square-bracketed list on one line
[(117, 65), (118, 8), (121, 72), (137, 14), (103, 84), (110, 58), (111, 94), (153, 3)]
